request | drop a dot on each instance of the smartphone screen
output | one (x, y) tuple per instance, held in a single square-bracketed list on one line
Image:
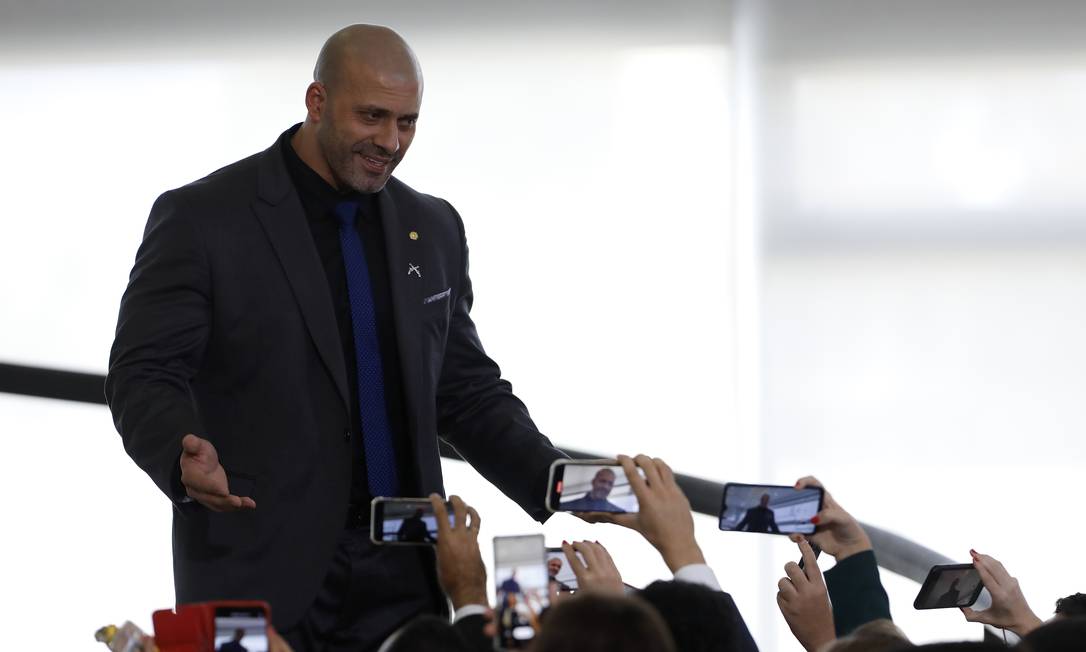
[(241, 629), (559, 572), (408, 521), (771, 509), (590, 486), (520, 583), (949, 586)]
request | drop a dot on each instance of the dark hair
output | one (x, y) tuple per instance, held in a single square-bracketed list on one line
[(1072, 605), (962, 646), (1065, 634), (598, 623), (699, 618), (427, 633)]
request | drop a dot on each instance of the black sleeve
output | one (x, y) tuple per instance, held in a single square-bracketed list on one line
[(856, 592), (161, 335), (479, 415), (470, 629)]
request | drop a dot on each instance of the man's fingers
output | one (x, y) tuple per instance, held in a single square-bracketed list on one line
[(440, 514), (247, 503), (574, 561), (474, 522), (795, 573), (220, 503), (595, 517), (652, 474), (666, 474), (810, 562), (460, 511), (192, 444), (637, 483), (785, 589)]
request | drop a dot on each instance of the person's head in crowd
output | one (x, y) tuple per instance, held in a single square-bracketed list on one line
[(426, 633), (1072, 605), (1061, 634), (692, 615), (594, 622), (880, 635), (602, 483), (962, 646)]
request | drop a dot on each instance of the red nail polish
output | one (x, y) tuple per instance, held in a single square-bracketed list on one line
[(564, 542), (815, 519)]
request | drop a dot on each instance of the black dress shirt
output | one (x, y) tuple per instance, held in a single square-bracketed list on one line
[(318, 201)]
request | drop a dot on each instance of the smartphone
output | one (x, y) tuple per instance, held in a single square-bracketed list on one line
[(520, 588), (241, 629), (772, 509), (404, 521), (948, 586), (590, 486), (559, 571)]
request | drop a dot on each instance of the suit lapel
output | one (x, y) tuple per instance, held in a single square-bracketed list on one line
[(403, 307), (283, 219)]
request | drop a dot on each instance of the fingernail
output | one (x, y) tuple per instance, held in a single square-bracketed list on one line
[(564, 542), (815, 520)]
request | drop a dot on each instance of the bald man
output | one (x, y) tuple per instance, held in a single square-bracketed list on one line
[(294, 338)]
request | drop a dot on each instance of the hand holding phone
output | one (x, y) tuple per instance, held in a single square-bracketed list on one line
[(595, 570), (836, 531), (520, 580), (460, 568)]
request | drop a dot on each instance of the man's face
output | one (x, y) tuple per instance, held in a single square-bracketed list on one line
[(554, 565), (367, 122), (765, 500), (602, 484)]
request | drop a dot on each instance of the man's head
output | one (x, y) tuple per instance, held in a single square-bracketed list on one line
[(1072, 605), (602, 483), (764, 501), (695, 616), (361, 107), (554, 566), (602, 623)]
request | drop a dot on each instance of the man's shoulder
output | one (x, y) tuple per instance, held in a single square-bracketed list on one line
[(237, 180)]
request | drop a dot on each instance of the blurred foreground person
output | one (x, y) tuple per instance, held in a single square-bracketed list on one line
[(596, 622)]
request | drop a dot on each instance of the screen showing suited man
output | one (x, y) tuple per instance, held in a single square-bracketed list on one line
[(596, 488), (769, 509), (409, 523)]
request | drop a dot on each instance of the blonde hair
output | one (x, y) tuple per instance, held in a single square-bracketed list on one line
[(880, 635)]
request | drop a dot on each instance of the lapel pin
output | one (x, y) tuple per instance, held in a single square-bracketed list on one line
[(414, 235), (413, 269)]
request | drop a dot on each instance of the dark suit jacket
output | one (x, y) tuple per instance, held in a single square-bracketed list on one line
[(227, 331)]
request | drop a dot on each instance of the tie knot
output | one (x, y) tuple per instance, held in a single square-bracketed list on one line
[(346, 212)]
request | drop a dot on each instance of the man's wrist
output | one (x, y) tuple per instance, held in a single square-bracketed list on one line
[(861, 545), (1026, 624), (466, 597), (685, 555)]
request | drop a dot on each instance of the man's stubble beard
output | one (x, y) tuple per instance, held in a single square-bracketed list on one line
[(341, 160)]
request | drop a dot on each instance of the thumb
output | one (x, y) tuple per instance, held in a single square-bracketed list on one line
[(973, 616), (191, 444)]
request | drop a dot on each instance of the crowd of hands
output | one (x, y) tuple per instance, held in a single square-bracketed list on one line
[(665, 520)]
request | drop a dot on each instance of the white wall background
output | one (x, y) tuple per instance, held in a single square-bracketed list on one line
[(779, 238)]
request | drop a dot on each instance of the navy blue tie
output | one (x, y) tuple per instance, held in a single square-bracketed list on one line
[(376, 432)]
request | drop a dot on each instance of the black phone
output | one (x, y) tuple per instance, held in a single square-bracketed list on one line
[(590, 486), (241, 629), (404, 521), (949, 586), (520, 583), (770, 509)]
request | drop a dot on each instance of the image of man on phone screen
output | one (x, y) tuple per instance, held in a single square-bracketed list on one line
[(759, 518), (595, 499)]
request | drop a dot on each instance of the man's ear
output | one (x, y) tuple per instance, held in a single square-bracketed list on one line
[(316, 97)]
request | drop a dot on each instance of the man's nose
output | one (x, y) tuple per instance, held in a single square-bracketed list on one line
[(388, 138)]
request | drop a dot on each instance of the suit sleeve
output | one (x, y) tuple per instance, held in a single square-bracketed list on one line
[(856, 592), (161, 335), (479, 415)]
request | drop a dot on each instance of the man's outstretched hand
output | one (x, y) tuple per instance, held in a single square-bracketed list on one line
[(205, 479)]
